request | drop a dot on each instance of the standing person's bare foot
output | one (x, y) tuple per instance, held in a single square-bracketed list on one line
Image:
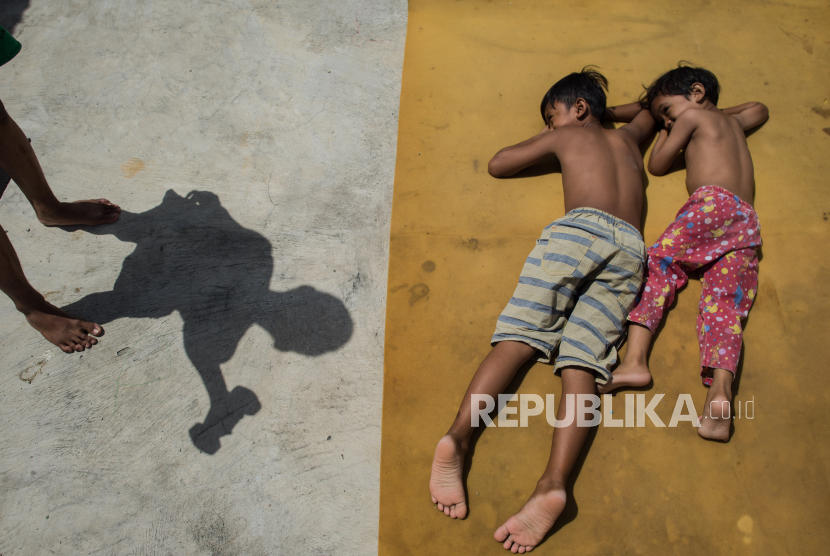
[(90, 212), (63, 330), (631, 373), (522, 532), (446, 483)]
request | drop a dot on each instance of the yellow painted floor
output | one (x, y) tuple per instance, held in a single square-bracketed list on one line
[(474, 75)]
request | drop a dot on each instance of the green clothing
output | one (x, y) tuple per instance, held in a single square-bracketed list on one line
[(9, 47)]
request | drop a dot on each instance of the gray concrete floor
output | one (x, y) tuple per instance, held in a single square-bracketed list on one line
[(251, 144)]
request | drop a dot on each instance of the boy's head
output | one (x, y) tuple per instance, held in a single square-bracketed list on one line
[(678, 90), (575, 98)]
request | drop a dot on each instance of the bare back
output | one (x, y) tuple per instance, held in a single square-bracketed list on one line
[(717, 154), (602, 169)]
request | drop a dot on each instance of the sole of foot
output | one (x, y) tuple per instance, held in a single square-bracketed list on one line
[(630, 375), (716, 419), (71, 335), (525, 530), (91, 212), (446, 483)]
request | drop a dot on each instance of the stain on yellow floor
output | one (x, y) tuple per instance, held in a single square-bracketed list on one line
[(474, 74)]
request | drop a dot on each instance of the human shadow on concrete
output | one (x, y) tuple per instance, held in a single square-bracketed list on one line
[(191, 256), (11, 13)]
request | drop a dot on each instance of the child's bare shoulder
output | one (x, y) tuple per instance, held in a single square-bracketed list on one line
[(695, 118), (562, 137), (705, 119)]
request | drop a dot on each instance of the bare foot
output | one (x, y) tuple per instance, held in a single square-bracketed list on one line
[(445, 484), (717, 417), (629, 373), (63, 330), (522, 532), (91, 212)]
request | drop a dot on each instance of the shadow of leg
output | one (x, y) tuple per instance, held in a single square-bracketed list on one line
[(226, 408)]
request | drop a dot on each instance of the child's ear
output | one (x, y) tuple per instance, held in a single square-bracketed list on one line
[(698, 92), (581, 107)]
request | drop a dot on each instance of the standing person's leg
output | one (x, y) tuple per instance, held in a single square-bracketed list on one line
[(492, 377), (729, 288), (18, 159), (523, 531), (66, 332)]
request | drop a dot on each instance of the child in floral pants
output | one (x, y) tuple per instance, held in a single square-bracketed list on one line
[(716, 233), (718, 230)]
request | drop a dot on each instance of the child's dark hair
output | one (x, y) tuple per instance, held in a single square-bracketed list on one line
[(679, 81), (587, 84)]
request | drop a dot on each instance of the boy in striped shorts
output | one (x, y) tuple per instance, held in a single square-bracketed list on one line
[(574, 292)]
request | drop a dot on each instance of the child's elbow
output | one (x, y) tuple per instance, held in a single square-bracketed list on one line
[(655, 169), (495, 168)]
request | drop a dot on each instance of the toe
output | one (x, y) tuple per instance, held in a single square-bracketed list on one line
[(434, 501), (109, 205), (501, 534), (81, 340), (440, 507), (452, 513), (66, 349), (446, 510), (92, 341)]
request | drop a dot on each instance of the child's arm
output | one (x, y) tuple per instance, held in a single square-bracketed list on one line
[(749, 115), (669, 145), (622, 113), (641, 126), (511, 160)]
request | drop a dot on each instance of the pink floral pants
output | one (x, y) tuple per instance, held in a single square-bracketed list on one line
[(719, 234)]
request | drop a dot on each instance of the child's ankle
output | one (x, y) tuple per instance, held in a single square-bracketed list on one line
[(548, 484), (636, 358), (462, 441), (722, 383)]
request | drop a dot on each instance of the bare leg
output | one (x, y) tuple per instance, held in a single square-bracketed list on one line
[(63, 330), (492, 377), (717, 411), (633, 371), (18, 159), (522, 532)]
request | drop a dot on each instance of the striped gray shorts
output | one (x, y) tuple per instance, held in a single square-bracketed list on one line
[(575, 291)]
